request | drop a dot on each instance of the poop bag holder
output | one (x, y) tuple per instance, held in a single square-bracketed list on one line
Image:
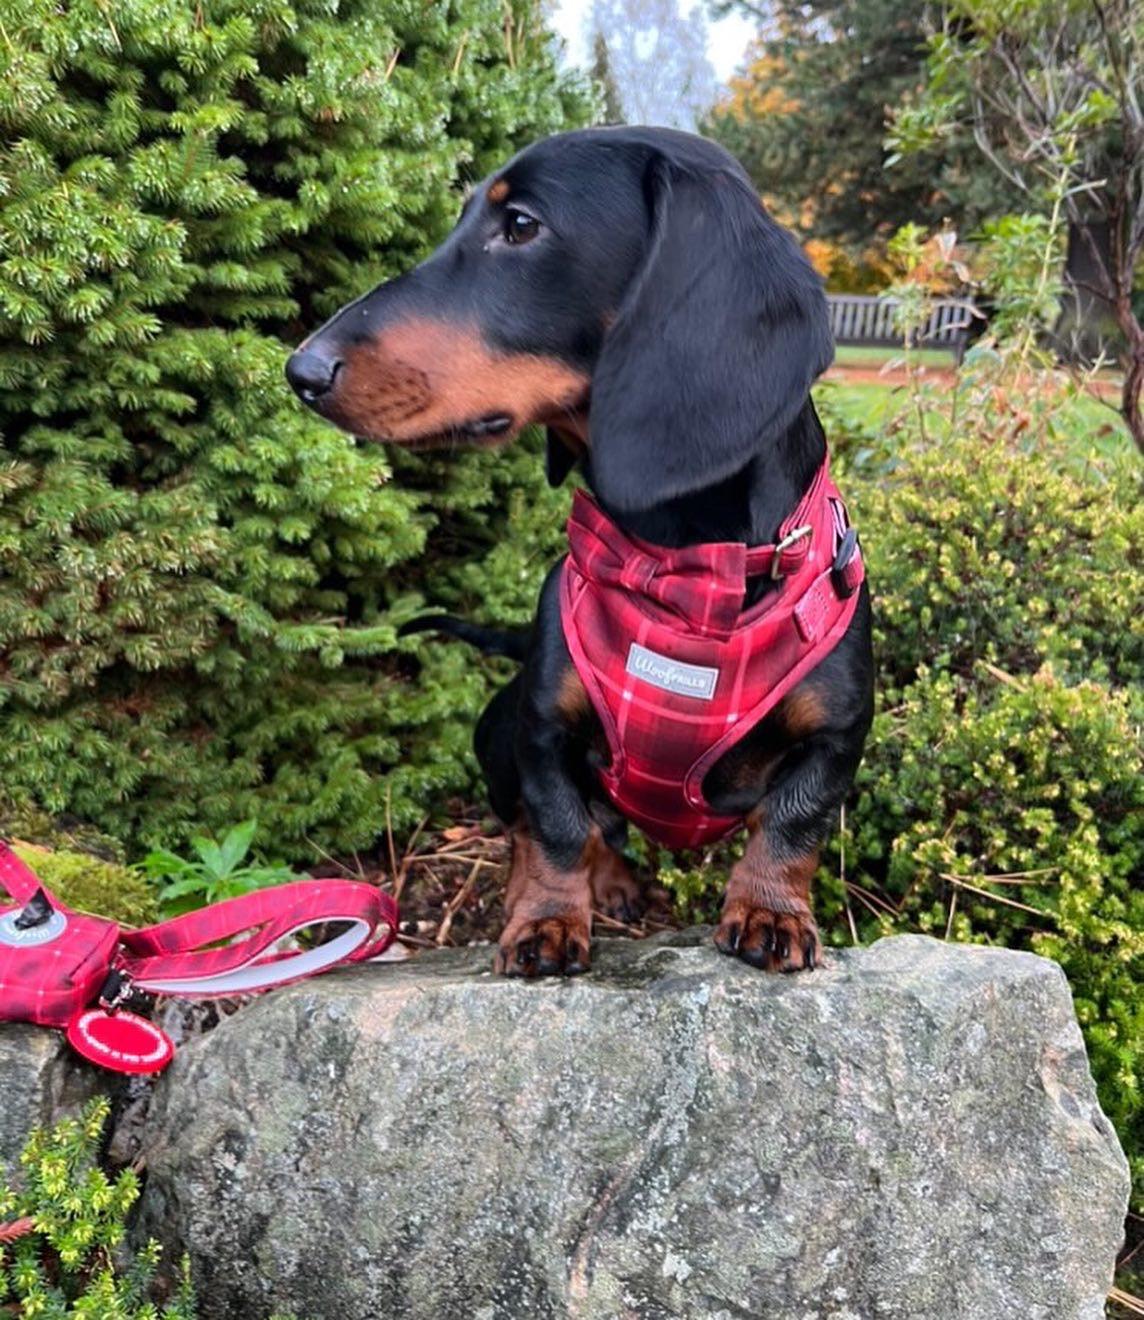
[(67, 969)]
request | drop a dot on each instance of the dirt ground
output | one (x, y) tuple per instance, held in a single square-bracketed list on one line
[(449, 885)]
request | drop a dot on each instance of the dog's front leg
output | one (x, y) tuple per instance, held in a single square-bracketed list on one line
[(549, 912), (767, 919), (555, 846)]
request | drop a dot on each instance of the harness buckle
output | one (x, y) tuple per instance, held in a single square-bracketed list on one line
[(845, 584), (791, 538)]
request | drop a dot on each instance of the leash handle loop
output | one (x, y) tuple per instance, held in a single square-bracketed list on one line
[(169, 958)]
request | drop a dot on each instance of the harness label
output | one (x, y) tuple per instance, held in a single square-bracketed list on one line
[(672, 675)]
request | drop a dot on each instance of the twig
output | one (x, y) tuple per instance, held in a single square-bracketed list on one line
[(842, 872), (1126, 1300), (612, 923), (401, 871), (389, 839), (416, 941), (1019, 877), (862, 897), (997, 898), (952, 910), (431, 859), (358, 868), (457, 899), (1122, 1263), (1002, 677)]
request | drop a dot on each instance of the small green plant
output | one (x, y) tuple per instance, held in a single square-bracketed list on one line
[(217, 872), (60, 1235)]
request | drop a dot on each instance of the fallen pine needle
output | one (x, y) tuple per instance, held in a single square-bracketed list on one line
[(997, 898), (611, 923), (1126, 1300)]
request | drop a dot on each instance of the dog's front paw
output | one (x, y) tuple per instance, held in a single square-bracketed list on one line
[(544, 946), (775, 941), (615, 891)]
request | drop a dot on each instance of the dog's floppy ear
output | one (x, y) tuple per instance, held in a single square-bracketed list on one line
[(559, 459), (713, 351)]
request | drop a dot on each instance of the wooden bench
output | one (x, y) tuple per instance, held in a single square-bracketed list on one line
[(867, 319)]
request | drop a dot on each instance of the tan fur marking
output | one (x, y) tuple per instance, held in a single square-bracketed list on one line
[(572, 698), (802, 712), (498, 191), (781, 884), (422, 378), (572, 430)]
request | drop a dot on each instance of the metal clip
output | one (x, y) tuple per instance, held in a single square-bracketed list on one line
[(116, 991), (845, 553), (791, 538)]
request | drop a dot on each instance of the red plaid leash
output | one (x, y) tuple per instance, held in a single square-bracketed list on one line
[(56, 963), (677, 670), (169, 958)]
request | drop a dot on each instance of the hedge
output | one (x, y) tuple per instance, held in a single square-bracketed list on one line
[(200, 582)]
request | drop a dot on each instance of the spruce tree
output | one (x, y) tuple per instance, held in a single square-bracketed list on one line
[(200, 582)]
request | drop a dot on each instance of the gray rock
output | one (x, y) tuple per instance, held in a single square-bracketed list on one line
[(41, 1080), (910, 1132)]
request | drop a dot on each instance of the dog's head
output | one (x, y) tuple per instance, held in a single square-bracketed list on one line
[(623, 287)]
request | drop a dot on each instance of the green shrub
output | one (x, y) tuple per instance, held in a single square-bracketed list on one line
[(23, 820), (1012, 813), (66, 1227), (200, 582), (1008, 555)]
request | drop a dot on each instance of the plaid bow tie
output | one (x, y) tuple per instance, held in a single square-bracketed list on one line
[(702, 585)]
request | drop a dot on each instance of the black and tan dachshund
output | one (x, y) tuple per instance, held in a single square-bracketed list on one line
[(624, 288)]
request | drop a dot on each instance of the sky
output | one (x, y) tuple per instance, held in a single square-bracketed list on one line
[(726, 39)]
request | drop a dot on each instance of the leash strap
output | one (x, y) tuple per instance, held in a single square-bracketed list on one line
[(19, 880), (186, 956), (183, 956)]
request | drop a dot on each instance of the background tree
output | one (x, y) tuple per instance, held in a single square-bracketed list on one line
[(1054, 95), (808, 118), (657, 58), (601, 74), (200, 582)]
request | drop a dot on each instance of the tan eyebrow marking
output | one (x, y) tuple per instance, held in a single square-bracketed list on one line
[(498, 191)]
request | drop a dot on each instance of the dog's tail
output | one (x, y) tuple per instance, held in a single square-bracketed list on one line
[(512, 642)]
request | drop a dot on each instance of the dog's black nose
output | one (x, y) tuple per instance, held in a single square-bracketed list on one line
[(311, 374)]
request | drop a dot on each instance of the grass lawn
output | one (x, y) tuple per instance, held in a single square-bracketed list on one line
[(858, 355), (1089, 423)]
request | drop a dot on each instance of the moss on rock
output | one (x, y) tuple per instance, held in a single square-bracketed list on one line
[(106, 889)]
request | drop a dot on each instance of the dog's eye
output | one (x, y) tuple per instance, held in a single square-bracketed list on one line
[(520, 227)]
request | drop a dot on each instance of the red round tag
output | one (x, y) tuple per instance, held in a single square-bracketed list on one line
[(123, 1042)]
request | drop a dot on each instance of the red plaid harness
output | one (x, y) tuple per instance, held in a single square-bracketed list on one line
[(677, 670)]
